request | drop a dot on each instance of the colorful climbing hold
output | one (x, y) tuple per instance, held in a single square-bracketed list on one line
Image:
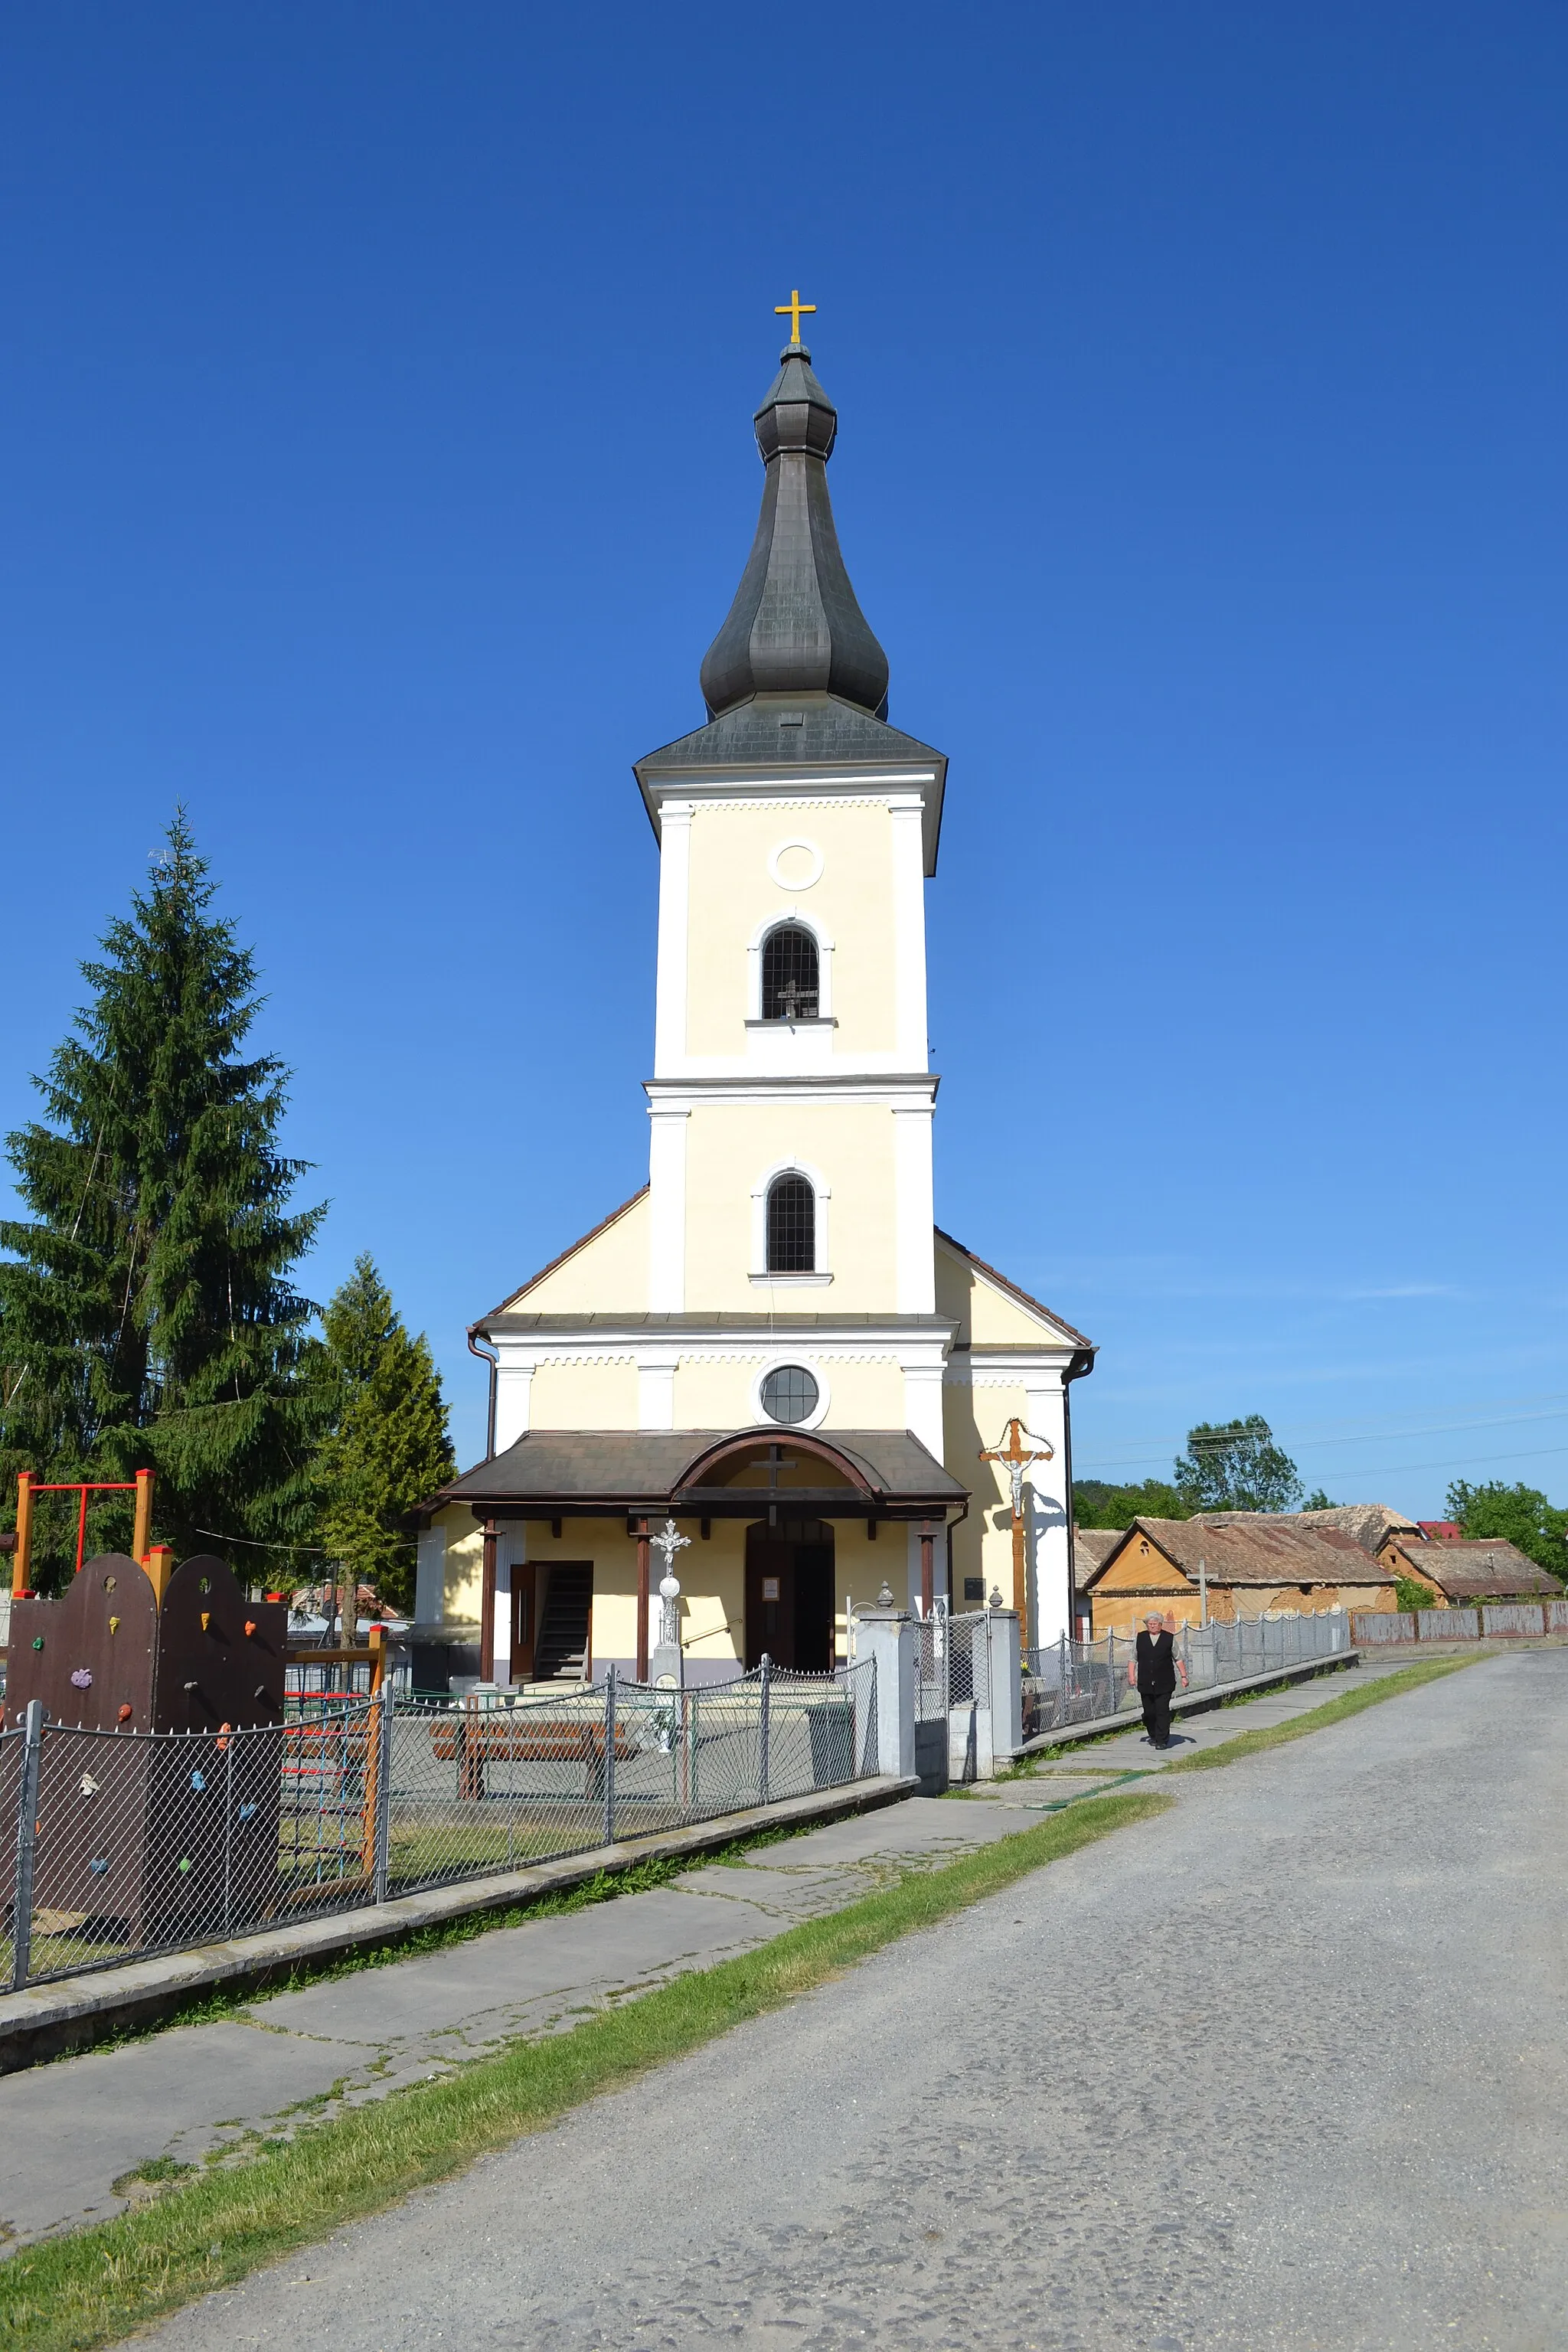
[(125, 1711), (89, 1785), (37, 1641), (81, 1678), (198, 1781), (250, 1629), (114, 1624), (206, 1619), (247, 1812), (98, 1864), (185, 1863)]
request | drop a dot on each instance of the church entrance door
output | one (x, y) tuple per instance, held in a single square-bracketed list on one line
[(790, 1595)]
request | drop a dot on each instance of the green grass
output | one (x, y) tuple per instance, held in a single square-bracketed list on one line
[(70, 2294), (1334, 1710)]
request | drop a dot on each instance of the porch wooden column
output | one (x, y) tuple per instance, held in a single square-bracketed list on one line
[(642, 1600), (928, 1567), (487, 1607)]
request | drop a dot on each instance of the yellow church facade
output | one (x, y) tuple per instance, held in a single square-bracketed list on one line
[(772, 1351)]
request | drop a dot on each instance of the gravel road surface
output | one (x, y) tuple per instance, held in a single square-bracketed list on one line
[(1284, 2068)]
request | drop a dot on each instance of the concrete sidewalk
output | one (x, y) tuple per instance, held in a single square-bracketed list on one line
[(74, 2135), (1128, 1750)]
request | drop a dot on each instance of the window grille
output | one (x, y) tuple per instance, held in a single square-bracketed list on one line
[(789, 974), (792, 1226), (790, 1393)]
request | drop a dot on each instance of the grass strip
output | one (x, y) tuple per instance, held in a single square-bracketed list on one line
[(70, 2294), (1317, 1718)]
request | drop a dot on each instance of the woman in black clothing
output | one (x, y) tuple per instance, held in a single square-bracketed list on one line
[(1152, 1668)]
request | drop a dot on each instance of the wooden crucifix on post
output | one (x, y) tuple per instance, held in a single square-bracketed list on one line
[(1018, 1449)]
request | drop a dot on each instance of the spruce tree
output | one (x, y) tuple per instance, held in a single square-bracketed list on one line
[(389, 1445), (147, 1313)]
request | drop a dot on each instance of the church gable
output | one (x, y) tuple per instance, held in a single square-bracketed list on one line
[(606, 1273), (990, 1311)]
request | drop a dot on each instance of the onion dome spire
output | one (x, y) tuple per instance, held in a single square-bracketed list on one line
[(795, 626)]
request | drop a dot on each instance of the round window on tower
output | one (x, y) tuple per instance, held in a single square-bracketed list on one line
[(790, 1393)]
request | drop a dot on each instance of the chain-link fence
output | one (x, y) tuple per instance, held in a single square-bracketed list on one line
[(115, 1844), (1068, 1683)]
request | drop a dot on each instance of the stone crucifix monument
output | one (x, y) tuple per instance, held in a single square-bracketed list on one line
[(667, 1664)]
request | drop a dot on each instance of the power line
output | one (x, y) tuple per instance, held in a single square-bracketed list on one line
[(1310, 1437)]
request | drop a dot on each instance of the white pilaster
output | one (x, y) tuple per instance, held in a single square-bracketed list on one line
[(667, 1211), (510, 1547), (914, 1208), (514, 1391), (909, 933), (922, 1401), (656, 1387), (674, 936), (1044, 1413)]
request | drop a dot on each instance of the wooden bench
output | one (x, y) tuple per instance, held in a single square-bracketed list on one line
[(473, 1742)]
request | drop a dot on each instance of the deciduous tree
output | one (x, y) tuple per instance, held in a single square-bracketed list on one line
[(1519, 1514), (1235, 1465)]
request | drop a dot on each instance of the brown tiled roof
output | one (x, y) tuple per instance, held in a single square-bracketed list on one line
[(1252, 1548), (1092, 1548), (628, 1469), (1367, 1523), (1482, 1568)]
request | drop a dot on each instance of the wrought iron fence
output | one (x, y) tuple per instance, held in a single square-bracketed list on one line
[(116, 1842), (1070, 1682)]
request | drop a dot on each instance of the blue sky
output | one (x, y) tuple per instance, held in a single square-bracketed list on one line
[(375, 400)]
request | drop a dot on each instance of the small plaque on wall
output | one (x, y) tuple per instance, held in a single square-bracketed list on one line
[(770, 1587), (975, 1588)]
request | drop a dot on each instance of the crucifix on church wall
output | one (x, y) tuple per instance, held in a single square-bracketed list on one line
[(1017, 1450)]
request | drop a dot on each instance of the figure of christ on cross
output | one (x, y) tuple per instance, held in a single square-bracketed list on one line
[(1015, 1450)]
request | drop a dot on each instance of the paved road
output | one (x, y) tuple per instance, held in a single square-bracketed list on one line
[(73, 2136), (1282, 2069)]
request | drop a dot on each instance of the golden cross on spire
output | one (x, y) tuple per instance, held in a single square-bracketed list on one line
[(792, 311)]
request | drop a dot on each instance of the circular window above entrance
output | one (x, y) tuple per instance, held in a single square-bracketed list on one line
[(790, 1393)]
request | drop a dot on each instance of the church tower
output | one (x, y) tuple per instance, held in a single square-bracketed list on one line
[(791, 1101), (781, 1276)]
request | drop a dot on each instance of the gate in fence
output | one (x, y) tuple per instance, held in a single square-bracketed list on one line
[(119, 1843)]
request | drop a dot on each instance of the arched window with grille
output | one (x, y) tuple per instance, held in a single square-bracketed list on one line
[(792, 1225), (790, 974)]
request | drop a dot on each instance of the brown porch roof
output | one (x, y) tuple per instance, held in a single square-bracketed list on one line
[(866, 1474)]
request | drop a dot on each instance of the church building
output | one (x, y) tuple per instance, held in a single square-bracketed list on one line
[(773, 1345)]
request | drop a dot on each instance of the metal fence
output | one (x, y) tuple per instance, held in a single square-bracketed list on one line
[(117, 1844), (951, 1663), (1512, 1619), (1070, 1682)]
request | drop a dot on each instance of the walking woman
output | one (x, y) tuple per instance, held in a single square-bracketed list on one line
[(1153, 1669)]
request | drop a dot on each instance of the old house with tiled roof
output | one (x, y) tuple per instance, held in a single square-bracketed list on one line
[(1462, 1571), (1242, 1564)]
